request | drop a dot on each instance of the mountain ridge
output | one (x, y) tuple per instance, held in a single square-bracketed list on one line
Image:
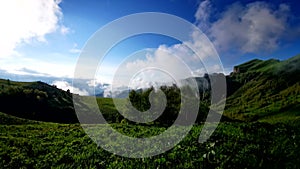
[(257, 90)]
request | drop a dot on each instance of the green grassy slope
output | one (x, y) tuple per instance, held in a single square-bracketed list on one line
[(6, 119), (232, 145), (267, 89)]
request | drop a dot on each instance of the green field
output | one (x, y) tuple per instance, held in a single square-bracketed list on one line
[(233, 145)]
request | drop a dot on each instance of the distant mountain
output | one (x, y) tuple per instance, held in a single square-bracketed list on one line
[(80, 85)]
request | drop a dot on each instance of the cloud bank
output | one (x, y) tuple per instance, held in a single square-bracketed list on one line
[(168, 64), (27, 21), (64, 85), (252, 28)]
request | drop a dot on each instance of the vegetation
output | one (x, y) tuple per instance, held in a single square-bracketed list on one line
[(265, 91), (260, 127), (36, 101), (258, 90), (6, 119), (233, 145)]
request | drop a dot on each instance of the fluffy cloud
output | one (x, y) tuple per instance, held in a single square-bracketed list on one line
[(146, 68), (26, 21), (59, 66), (168, 64), (75, 49), (252, 28), (203, 14), (65, 86)]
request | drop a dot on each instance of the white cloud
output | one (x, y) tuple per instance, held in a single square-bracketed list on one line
[(75, 49), (67, 86), (64, 30), (59, 66), (167, 65), (93, 83), (26, 21), (203, 14), (255, 27), (150, 69), (96, 83)]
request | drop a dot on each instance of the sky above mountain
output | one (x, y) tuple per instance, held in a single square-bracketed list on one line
[(45, 38)]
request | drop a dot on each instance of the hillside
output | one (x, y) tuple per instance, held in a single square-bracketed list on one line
[(257, 90), (6, 119), (265, 91), (36, 101)]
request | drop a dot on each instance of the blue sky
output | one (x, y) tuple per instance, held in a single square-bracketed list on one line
[(45, 38)]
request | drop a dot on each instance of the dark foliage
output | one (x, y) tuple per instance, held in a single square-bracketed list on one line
[(38, 101)]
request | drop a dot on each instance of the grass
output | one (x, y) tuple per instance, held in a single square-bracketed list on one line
[(233, 145), (6, 119), (269, 89), (290, 116), (13, 83)]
